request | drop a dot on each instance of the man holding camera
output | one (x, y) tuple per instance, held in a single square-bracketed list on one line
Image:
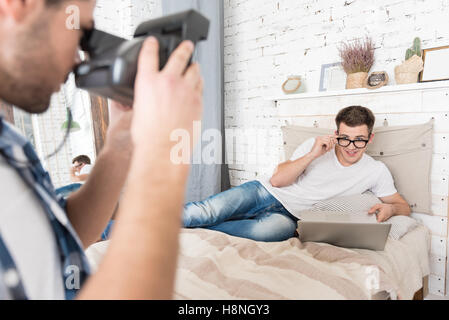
[(42, 237)]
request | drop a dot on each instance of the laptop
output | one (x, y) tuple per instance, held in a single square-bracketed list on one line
[(355, 230)]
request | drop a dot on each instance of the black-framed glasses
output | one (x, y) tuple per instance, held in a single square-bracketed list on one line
[(358, 143)]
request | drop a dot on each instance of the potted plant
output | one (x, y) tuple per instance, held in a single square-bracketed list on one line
[(357, 59), (408, 72)]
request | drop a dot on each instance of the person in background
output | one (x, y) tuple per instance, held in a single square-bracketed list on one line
[(321, 168), (79, 173), (81, 169)]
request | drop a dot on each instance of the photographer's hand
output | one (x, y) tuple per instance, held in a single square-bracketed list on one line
[(141, 260), (166, 100)]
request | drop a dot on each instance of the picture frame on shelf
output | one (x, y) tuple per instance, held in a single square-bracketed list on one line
[(436, 67), (333, 77)]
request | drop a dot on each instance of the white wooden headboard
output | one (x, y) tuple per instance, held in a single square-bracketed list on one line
[(393, 106)]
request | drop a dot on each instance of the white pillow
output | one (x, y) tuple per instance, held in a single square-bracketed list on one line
[(400, 225)]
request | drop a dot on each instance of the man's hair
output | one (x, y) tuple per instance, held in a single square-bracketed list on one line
[(53, 2), (355, 116), (81, 159)]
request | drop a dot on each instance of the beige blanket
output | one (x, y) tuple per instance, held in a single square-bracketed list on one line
[(213, 265)]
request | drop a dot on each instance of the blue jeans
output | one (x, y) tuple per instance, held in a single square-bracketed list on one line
[(248, 211), (67, 190), (107, 232)]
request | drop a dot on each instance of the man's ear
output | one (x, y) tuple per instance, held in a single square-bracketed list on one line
[(371, 138), (18, 9)]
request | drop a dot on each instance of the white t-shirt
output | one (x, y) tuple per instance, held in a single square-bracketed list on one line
[(326, 178), (86, 169), (29, 238)]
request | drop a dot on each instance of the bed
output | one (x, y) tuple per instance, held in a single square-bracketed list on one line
[(215, 266)]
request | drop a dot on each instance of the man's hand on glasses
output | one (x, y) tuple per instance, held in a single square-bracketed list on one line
[(323, 145)]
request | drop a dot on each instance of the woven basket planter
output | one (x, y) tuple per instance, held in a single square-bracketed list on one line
[(356, 80), (408, 72)]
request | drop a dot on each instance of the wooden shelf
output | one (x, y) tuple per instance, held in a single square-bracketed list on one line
[(363, 91)]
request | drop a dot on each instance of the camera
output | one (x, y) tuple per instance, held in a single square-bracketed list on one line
[(111, 65)]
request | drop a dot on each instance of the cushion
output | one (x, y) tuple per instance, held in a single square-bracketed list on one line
[(405, 150), (400, 225)]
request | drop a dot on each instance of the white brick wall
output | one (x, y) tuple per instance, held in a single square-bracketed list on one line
[(121, 17), (267, 40)]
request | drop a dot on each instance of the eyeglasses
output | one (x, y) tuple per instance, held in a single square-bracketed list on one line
[(359, 143)]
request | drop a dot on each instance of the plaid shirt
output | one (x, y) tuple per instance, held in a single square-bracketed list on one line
[(20, 155)]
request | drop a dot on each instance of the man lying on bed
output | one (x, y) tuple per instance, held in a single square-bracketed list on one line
[(321, 168)]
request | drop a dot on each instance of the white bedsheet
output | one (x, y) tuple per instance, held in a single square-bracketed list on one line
[(213, 265)]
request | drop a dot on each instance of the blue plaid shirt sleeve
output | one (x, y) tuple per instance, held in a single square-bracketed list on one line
[(3, 292), (20, 155)]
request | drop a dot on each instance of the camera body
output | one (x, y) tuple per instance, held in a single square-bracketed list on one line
[(111, 68)]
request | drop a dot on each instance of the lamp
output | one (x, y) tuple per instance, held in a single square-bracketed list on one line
[(69, 124)]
